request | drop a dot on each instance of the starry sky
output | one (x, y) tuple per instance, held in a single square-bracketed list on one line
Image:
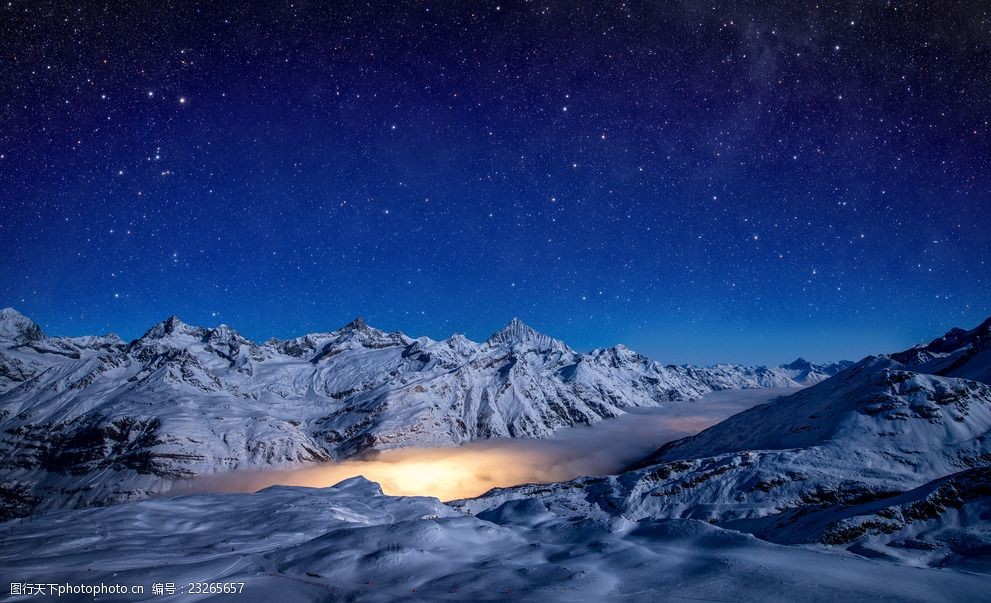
[(703, 181)]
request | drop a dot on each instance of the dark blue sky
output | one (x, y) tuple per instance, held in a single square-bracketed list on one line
[(701, 181)]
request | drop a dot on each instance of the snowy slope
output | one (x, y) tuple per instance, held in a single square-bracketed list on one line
[(99, 421), (351, 543), (25, 352), (959, 353), (925, 422), (881, 460), (946, 522), (874, 432)]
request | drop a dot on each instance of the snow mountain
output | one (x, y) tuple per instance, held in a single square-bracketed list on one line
[(881, 459), (959, 353), (94, 420), (25, 351)]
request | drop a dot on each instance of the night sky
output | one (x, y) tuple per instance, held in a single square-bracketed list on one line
[(701, 181)]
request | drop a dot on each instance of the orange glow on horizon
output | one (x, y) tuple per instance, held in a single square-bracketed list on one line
[(444, 473), (472, 469)]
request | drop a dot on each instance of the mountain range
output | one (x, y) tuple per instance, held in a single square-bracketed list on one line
[(873, 484), (889, 458), (96, 420)]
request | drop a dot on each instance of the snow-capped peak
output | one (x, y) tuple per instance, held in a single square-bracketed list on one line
[(458, 339), (172, 325), (17, 328), (958, 353), (519, 335), (225, 334), (358, 324), (461, 344), (799, 364), (358, 333)]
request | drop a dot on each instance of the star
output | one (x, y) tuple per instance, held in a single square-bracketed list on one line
[(744, 148)]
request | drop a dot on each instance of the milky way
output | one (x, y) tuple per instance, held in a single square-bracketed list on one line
[(701, 181)]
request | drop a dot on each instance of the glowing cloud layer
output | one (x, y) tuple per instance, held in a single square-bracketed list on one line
[(470, 470)]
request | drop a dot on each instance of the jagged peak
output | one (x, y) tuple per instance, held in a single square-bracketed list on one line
[(223, 333), (108, 341), (617, 355), (515, 330), (618, 350), (518, 334), (359, 328), (458, 338), (461, 344), (357, 333), (10, 313), (953, 340), (358, 324), (419, 344), (797, 364), (18, 328), (173, 325), (956, 333)]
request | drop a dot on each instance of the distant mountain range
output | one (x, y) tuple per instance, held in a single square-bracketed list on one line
[(890, 460), (96, 420)]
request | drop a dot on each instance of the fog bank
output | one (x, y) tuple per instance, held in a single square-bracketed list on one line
[(472, 469)]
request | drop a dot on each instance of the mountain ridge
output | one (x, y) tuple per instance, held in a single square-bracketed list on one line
[(184, 400), (515, 333), (883, 459)]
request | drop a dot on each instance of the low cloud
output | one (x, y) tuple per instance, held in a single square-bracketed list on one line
[(472, 469)]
